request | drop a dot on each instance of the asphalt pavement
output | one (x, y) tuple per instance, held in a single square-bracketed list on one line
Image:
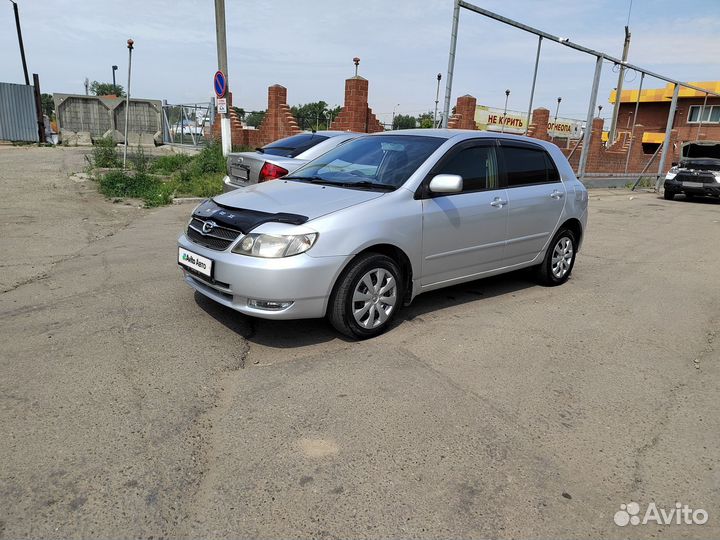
[(132, 407)]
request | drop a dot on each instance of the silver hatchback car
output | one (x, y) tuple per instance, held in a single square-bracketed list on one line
[(363, 229)]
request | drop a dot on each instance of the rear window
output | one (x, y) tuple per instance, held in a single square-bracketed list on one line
[(525, 165), (293, 146)]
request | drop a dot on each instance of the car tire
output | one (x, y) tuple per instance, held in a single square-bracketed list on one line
[(559, 259), (366, 296), (668, 195)]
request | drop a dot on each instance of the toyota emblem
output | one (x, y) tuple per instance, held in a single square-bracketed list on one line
[(208, 226)]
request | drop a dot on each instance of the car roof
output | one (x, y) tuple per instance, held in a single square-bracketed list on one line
[(461, 134), (333, 133)]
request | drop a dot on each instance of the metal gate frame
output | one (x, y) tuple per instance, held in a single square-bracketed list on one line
[(599, 58)]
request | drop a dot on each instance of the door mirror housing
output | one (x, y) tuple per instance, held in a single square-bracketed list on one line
[(446, 183)]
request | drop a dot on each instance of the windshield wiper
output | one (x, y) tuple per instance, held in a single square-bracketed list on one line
[(311, 179), (368, 183)]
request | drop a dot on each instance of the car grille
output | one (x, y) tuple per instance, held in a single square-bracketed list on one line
[(701, 176), (218, 238)]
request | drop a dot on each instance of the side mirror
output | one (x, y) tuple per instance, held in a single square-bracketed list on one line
[(446, 183), (674, 164)]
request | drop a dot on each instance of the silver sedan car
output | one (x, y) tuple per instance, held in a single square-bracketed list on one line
[(280, 158), (363, 229)]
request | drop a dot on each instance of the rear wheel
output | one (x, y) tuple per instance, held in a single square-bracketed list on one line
[(366, 297), (669, 195), (559, 259)]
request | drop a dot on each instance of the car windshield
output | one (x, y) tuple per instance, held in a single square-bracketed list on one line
[(293, 146), (381, 161)]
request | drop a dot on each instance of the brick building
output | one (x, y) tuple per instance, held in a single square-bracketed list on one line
[(654, 109)]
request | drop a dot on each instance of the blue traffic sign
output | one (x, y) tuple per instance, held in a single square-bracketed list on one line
[(220, 84)]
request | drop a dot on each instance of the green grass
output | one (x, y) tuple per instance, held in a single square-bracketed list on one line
[(105, 154), (199, 175)]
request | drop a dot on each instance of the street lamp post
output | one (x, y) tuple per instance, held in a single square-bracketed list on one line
[(437, 100), (114, 69), (393, 116), (557, 110), (130, 43), (507, 95)]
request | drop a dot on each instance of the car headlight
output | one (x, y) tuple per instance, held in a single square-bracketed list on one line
[(672, 173), (271, 246), (717, 176)]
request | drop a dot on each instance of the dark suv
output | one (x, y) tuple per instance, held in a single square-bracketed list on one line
[(698, 172)]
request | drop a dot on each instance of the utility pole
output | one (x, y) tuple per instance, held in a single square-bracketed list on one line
[(20, 42), (87, 86), (437, 100), (114, 69), (221, 39), (130, 43), (618, 92)]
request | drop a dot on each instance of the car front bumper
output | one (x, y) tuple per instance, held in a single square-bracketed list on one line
[(236, 279), (706, 189)]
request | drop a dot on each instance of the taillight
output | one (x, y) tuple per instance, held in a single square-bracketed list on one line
[(271, 172)]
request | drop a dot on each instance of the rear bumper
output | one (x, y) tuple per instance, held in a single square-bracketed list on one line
[(305, 281), (232, 184), (707, 189)]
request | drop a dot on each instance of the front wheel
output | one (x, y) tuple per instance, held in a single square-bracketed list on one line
[(366, 297), (668, 195), (559, 259)]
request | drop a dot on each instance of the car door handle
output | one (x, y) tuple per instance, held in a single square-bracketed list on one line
[(557, 195), (498, 202)]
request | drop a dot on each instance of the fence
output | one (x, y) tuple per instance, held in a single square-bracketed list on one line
[(187, 123), (18, 117), (619, 149)]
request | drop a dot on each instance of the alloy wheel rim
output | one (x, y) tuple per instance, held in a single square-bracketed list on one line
[(374, 298), (562, 257)]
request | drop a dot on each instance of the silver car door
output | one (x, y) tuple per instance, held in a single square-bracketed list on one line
[(536, 198), (464, 233)]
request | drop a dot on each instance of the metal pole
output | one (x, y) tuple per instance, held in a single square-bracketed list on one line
[(588, 121), (127, 101), (635, 114), (532, 88), (666, 142), (507, 96), (20, 42), (618, 91), (702, 113), (38, 108), (437, 100), (645, 168), (221, 38), (114, 69), (451, 63), (557, 110)]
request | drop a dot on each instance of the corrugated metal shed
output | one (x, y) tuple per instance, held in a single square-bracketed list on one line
[(18, 120)]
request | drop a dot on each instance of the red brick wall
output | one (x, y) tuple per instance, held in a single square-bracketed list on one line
[(355, 114), (464, 117), (277, 124)]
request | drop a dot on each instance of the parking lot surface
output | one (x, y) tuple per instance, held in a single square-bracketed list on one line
[(132, 407)]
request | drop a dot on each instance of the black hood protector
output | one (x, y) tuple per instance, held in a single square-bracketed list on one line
[(243, 219)]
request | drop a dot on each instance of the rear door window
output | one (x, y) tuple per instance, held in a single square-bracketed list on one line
[(526, 165)]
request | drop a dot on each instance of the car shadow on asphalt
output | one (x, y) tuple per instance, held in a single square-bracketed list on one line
[(696, 200), (304, 332)]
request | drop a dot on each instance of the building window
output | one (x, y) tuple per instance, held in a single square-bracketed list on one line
[(711, 114)]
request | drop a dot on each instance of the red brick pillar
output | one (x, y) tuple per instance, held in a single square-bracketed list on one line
[(538, 128), (356, 115), (464, 117), (279, 121)]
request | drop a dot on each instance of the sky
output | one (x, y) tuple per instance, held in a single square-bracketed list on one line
[(308, 45)]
